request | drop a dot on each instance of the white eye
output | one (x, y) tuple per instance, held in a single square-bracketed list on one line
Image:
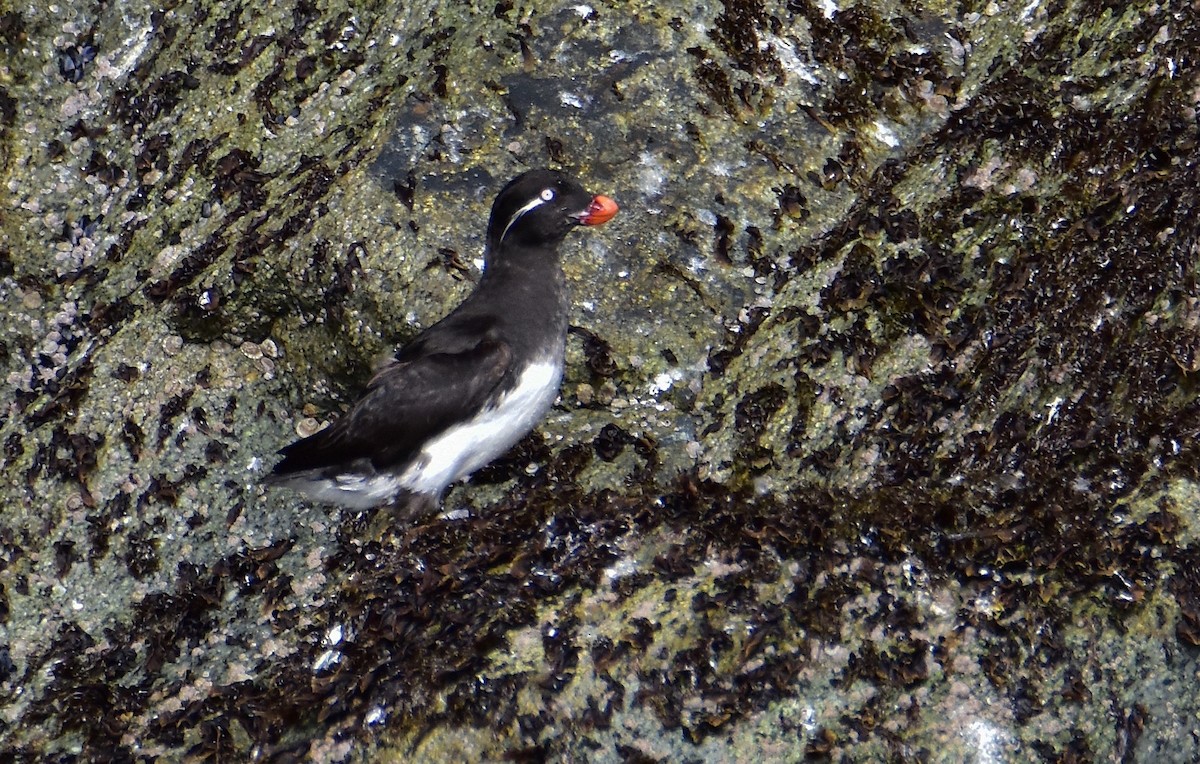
[(547, 194)]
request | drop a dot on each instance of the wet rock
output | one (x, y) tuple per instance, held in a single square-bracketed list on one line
[(878, 437)]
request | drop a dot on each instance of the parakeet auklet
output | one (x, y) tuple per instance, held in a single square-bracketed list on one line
[(473, 384)]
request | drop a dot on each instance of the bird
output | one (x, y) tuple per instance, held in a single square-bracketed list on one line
[(466, 389)]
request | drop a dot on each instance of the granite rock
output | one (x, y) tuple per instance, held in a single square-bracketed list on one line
[(879, 434)]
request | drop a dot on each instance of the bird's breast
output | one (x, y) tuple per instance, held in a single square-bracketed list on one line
[(466, 446)]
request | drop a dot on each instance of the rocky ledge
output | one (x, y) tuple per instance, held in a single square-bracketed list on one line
[(879, 433)]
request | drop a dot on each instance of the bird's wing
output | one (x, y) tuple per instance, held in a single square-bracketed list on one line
[(406, 402)]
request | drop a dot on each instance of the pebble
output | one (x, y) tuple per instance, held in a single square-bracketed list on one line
[(585, 393)]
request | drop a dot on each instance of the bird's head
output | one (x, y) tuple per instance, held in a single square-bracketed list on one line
[(539, 207)]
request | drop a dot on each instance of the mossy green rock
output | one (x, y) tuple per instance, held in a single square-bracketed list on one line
[(879, 435)]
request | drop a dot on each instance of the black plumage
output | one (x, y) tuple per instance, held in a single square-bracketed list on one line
[(472, 384)]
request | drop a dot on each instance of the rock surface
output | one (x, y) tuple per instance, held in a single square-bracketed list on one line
[(879, 433)]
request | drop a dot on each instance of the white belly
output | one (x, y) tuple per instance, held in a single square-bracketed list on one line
[(466, 447)]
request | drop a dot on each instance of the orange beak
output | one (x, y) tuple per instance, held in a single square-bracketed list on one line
[(601, 210)]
